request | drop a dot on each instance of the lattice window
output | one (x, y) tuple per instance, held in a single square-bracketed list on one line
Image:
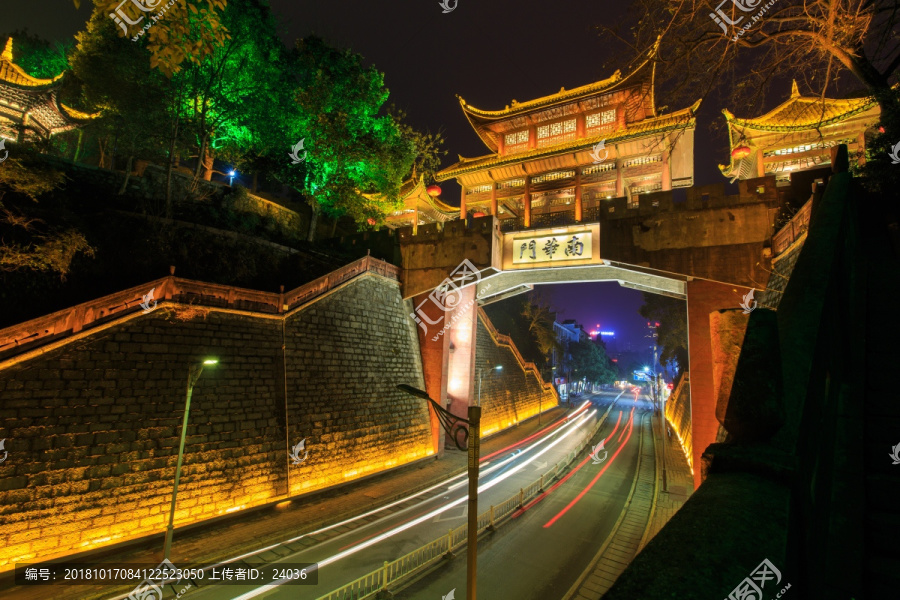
[(517, 137), (601, 118), (642, 160), (601, 168), (478, 189), (512, 183), (553, 176), (569, 126)]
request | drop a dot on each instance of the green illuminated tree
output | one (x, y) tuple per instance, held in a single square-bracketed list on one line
[(37, 56), (590, 360), (130, 97), (356, 159), (230, 95)]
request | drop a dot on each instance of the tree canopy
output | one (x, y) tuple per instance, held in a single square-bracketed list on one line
[(671, 314)]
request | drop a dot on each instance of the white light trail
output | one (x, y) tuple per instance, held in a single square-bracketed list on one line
[(400, 528)]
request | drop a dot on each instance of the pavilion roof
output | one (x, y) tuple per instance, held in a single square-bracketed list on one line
[(677, 120), (479, 119), (803, 112), (13, 74)]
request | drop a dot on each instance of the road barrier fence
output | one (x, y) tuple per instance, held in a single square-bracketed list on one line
[(428, 555)]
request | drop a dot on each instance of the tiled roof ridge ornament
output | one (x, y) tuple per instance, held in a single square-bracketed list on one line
[(795, 92), (7, 51)]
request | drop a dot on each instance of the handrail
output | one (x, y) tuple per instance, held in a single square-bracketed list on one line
[(70, 321), (794, 228), (505, 340), (423, 557)]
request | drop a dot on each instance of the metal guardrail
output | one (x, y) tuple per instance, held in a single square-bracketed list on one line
[(393, 572)]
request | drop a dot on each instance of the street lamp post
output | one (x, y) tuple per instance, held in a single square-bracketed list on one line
[(481, 374), (453, 425), (193, 376)]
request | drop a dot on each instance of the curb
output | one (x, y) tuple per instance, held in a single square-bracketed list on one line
[(609, 539)]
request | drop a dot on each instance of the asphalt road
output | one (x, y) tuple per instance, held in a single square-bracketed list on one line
[(541, 554), (362, 547)]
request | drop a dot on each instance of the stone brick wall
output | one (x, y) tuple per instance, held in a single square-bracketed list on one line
[(782, 267), (511, 395), (92, 427), (678, 414)]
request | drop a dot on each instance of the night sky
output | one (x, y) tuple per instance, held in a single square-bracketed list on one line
[(489, 52)]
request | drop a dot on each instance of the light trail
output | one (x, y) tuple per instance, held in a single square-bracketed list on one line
[(371, 542), (578, 498), (522, 510)]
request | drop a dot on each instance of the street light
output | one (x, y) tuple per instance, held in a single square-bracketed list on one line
[(231, 175), (193, 376), (452, 425), (481, 374)]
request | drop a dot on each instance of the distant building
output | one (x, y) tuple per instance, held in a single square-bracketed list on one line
[(29, 106), (798, 135)]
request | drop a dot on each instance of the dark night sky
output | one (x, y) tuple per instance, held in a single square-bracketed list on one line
[(487, 51)]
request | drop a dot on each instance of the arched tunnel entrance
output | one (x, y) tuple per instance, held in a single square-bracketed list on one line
[(492, 266)]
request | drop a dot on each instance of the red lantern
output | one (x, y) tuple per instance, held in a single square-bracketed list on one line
[(370, 221), (433, 190), (478, 214), (740, 152)]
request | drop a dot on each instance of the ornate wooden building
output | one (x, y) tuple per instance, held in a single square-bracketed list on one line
[(29, 107), (555, 160), (420, 207), (798, 135)]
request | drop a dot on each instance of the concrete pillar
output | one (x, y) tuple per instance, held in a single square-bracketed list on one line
[(666, 170), (435, 353), (493, 198), (526, 201), (461, 358), (578, 203), (462, 203), (703, 297), (760, 165)]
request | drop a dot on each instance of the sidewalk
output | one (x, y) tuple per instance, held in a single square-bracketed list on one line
[(680, 487), (647, 511), (236, 535)]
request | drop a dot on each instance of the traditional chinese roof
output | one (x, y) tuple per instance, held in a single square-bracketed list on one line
[(798, 115), (803, 112), (479, 119), (657, 125), (13, 74), (416, 201), (31, 102)]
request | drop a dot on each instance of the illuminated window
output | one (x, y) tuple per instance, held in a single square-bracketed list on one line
[(554, 133), (601, 118), (518, 137)]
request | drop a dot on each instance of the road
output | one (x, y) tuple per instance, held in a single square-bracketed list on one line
[(552, 541), (562, 528)]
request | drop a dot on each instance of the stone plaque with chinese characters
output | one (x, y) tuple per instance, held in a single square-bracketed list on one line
[(551, 248)]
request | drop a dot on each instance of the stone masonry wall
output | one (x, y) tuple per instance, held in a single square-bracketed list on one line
[(511, 395), (678, 414), (92, 427)]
